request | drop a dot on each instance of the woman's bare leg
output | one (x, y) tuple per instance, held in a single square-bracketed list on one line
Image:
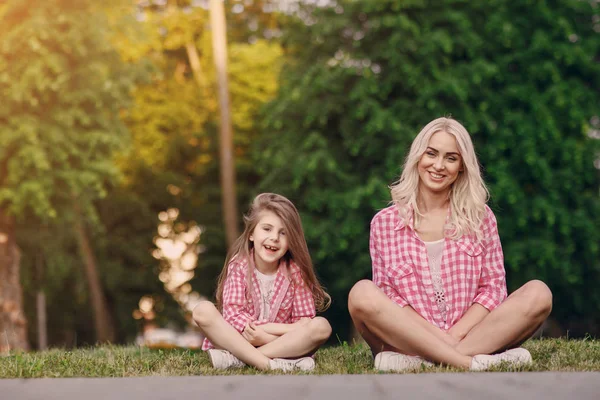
[(224, 336), (400, 328), (376, 344), (512, 322), (299, 342)]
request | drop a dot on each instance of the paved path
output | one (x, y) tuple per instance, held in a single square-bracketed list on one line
[(480, 386)]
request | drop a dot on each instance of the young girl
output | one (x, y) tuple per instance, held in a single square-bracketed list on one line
[(439, 289), (268, 295)]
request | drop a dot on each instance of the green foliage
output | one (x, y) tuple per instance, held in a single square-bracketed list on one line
[(364, 77), (63, 87)]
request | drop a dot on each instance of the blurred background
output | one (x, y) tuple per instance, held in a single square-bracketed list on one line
[(111, 206)]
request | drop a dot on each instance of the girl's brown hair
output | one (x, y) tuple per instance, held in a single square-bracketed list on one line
[(297, 251)]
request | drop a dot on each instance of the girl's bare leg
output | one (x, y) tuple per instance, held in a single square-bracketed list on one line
[(384, 323), (299, 342), (512, 322), (224, 336)]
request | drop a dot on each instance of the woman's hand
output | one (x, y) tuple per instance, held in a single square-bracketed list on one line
[(255, 335), (454, 335), (474, 315), (450, 339)]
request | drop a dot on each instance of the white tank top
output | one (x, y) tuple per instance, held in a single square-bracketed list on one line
[(434, 253)]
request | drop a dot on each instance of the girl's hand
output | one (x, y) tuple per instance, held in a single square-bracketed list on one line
[(255, 335)]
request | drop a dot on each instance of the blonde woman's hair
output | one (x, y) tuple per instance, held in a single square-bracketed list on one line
[(468, 194), (297, 247)]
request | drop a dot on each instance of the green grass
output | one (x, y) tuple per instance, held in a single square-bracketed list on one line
[(114, 361)]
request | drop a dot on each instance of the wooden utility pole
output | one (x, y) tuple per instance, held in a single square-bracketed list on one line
[(219, 42)]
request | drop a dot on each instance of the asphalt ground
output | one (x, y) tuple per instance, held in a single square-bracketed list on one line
[(443, 386)]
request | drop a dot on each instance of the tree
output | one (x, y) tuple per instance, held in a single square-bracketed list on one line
[(173, 159), (362, 78), (63, 86)]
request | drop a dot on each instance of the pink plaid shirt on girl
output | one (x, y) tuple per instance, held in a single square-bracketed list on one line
[(292, 299), (472, 271)]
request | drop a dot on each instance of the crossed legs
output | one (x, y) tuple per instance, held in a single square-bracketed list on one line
[(297, 343), (387, 327)]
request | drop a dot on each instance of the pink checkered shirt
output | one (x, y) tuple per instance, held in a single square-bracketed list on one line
[(292, 299), (472, 272)]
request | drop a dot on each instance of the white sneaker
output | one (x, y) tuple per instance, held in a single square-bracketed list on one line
[(392, 361), (287, 365), (222, 359), (514, 358)]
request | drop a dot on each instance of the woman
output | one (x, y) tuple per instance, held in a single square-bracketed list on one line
[(439, 290)]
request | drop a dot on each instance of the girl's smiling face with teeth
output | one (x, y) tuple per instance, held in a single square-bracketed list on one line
[(441, 163), (270, 242)]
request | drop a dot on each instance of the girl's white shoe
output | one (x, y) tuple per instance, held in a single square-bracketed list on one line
[(286, 365), (392, 361), (222, 359), (513, 358)]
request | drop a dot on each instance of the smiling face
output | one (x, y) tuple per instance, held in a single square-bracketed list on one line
[(270, 242), (440, 165)]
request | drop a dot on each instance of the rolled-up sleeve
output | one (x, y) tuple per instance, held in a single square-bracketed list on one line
[(380, 277), (491, 291), (235, 310)]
